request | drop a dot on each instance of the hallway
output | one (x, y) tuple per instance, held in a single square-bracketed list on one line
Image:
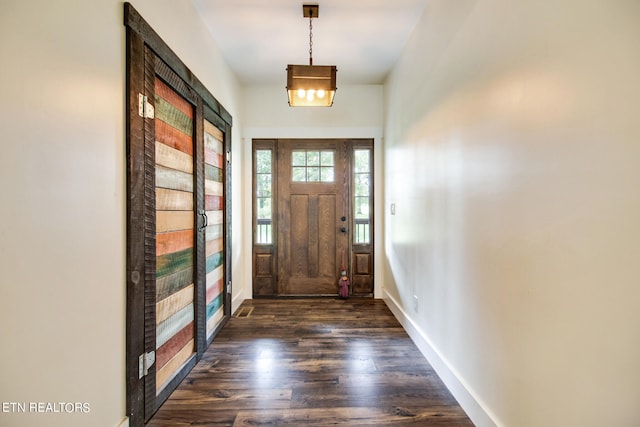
[(312, 362)]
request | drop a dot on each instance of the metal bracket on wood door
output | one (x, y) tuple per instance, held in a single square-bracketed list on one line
[(145, 109), (145, 361)]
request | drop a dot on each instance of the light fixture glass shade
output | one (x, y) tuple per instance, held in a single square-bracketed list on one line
[(311, 85)]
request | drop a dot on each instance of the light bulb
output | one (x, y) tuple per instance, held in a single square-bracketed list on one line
[(301, 93), (310, 94), (320, 93)]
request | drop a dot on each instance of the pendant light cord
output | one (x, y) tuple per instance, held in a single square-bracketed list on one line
[(311, 39)]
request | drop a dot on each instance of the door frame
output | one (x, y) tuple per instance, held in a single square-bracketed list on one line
[(146, 56), (360, 261)]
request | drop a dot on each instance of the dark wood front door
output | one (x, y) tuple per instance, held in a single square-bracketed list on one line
[(312, 216), (313, 211)]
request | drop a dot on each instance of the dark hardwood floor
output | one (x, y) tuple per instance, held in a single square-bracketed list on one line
[(312, 362)]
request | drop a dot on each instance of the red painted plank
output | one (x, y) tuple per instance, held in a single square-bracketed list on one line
[(214, 290), (171, 347), (174, 241), (174, 138), (213, 158), (212, 203)]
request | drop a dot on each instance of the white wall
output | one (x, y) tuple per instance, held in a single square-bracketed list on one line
[(357, 112), (63, 209), (512, 150)]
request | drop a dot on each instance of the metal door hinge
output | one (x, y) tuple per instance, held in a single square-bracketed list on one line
[(145, 109), (145, 361)]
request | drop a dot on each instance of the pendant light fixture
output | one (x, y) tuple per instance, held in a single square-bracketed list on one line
[(311, 85)]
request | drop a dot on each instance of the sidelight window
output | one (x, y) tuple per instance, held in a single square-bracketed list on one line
[(362, 196), (264, 196)]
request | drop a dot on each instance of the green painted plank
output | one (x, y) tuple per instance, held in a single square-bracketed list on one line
[(172, 283), (173, 117), (212, 173), (170, 263), (173, 179), (214, 261), (214, 305)]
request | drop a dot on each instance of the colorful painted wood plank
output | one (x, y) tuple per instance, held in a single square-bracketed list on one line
[(173, 138), (174, 179), (173, 220), (173, 97), (173, 159), (212, 203), (213, 173), (214, 321), (173, 116), (214, 231), (173, 200), (213, 306), (213, 131), (215, 275), (214, 144), (213, 159), (169, 327), (215, 217), (213, 188), (168, 371), (171, 347), (214, 261), (213, 246), (213, 290), (174, 303), (173, 241), (167, 285), (173, 262)]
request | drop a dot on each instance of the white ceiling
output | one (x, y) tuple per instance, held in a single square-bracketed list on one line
[(363, 38)]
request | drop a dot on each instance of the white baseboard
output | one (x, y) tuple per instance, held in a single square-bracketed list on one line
[(124, 422), (467, 399)]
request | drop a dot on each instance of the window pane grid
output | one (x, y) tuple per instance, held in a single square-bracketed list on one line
[(312, 166)]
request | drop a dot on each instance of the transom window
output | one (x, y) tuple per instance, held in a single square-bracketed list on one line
[(312, 166)]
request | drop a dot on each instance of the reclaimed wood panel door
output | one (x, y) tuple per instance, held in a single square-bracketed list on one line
[(178, 230), (313, 211), (214, 227), (175, 241)]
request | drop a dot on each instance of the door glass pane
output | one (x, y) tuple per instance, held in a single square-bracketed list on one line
[(313, 158), (313, 174), (326, 158), (298, 158)]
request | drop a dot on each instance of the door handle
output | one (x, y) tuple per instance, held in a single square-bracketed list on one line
[(205, 220)]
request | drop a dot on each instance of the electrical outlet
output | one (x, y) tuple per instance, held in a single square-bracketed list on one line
[(393, 208)]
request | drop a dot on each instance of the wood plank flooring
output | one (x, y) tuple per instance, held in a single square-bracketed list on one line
[(312, 362)]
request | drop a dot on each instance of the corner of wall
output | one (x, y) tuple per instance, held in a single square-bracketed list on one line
[(468, 400)]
